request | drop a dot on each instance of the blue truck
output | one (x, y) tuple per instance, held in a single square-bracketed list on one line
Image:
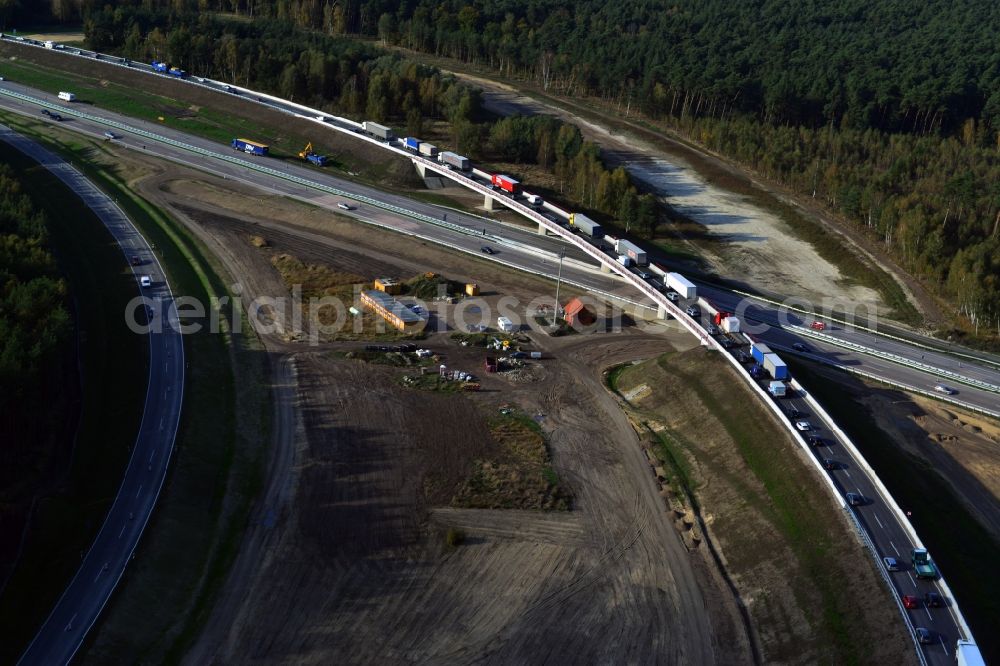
[(178, 72), (758, 350), (249, 147), (160, 66), (411, 143)]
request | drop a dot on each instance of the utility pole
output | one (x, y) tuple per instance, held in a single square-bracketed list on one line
[(558, 308)]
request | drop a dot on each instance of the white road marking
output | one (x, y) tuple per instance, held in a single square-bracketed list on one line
[(911, 580), (847, 473), (875, 516), (928, 611), (138, 491), (122, 532), (944, 646), (894, 548), (70, 624)]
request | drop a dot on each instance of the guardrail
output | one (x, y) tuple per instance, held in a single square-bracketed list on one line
[(895, 358), (647, 290)]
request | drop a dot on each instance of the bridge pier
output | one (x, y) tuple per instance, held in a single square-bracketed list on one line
[(542, 230), (488, 203), (605, 268), (661, 313), (421, 169)]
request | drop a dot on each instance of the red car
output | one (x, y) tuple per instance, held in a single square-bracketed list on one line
[(910, 601), (817, 326)]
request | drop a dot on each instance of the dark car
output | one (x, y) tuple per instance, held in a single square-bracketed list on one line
[(793, 413), (135, 261), (933, 600), (924, 636), (487, 249), (830, 465), (46, 112), (798, 346), (742, 356), (854, 499)]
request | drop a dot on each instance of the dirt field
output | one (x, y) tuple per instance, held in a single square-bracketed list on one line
[(346, 560)]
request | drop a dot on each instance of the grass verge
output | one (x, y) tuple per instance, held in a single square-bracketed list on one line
[(113, 366), (744, 477), (965, 551), (215, 473)]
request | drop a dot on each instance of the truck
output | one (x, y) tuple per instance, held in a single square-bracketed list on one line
[(681, 285), (586, 225), (249, 147), (731, 325), (411, 143), (758, 350), (67, 96), (506, 183), (378, 131), (967, 654), (775, 366), (158, 66), (719, 316), (534, 199), (777, 389), (49, 44), (923, 567), (428, 150), (632, 251), (455, 161), (178, 72)]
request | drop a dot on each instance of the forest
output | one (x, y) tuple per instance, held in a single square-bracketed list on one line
[(886, 111), (35, 336)]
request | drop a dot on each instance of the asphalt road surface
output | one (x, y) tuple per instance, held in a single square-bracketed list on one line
[(81, 603), (528, 251)]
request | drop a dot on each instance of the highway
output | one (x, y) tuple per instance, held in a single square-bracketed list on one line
[(104, 564), (534, 253)]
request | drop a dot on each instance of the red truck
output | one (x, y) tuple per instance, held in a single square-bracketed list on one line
[(506, 183)]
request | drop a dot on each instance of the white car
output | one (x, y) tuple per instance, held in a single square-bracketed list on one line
[(803, 426), (344, 206), (947, 390), (110, 135), (145, 282)]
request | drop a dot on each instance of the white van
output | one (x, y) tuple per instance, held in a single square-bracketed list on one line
[(145, 281), (67, 96)]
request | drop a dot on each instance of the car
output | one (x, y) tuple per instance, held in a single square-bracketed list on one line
[(924, 636), (149, 312), (817, 326), (344, 206), (910, 601), (798, 346), (145, 281), (693, 311), (712, 329), (947, 390), (673, 296), (891, 564), (829, 464), (757, 371), (56, 116), (854, 499), (518, 354), (2, 79), (135, 261), (793, 413), (743, 357), (803, 426), (815, 441), (227, 88), (644, 275), (46, 112), (487, 249), (110, 135), (933, 600)]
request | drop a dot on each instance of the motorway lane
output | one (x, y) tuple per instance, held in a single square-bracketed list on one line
[(532, 261), (888, 537), (539, 259), (81, 603)]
